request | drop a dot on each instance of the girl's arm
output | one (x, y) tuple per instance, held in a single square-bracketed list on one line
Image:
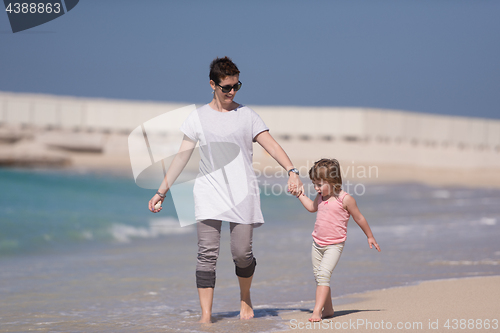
[(274, 149), (309, 204), (179, 162), (351, 206)]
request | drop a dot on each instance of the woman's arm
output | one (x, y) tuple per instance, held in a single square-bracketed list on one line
[(274, 149), (351, 206), (310, 205), (178, 163)]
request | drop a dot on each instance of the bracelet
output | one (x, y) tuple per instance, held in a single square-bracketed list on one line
[(161, 195)]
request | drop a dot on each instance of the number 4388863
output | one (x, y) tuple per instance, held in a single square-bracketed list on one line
[(477, 324), (33, 8)]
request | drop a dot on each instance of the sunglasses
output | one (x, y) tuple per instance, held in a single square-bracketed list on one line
[(228, 88)]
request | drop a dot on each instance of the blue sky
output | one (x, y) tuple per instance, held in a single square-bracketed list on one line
[(434, 56)]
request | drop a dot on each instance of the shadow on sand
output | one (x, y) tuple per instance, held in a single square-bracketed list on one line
[(275, 312)]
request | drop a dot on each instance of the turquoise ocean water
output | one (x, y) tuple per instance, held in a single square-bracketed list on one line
[(81, 253), (41, 210)]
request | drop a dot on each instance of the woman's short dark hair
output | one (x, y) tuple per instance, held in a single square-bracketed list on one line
[(220, 68)]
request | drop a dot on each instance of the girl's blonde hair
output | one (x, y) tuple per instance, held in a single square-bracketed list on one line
[(327, 170)]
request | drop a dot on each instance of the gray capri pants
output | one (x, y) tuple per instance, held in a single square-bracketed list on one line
[(208, 251), (324, 260)]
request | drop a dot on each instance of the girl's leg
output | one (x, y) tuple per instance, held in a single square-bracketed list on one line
[(241, 249), (316, 256), (208, 252), (328, 306), (324, 261), (323, 295)]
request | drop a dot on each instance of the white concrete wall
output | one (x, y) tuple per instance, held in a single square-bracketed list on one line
[(338, 123), (18, 112), (492, 133), (48, 111)]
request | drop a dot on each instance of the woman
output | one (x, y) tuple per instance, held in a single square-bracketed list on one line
[(225, 189)]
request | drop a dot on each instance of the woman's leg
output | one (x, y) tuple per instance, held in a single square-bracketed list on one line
[(246, 309), (208, 252), (206, 296), (241, 249)]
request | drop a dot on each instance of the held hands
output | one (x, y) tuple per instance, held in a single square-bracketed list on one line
[(295, 186), (155, 204), (372, 242)]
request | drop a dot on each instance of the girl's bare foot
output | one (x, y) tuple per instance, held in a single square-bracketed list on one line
[(327, 314), (315, 317)]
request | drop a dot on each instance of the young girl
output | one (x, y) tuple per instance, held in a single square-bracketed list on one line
[(334, 207)]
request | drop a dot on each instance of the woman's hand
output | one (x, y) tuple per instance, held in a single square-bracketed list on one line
[(295, 186), (152, 203), (178, 163), (274, 149)]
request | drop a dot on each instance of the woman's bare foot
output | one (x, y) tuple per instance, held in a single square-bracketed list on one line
[(246, 311), (315, 317), (205, 319)]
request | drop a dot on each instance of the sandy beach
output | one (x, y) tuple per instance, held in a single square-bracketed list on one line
[(469, 304), (89, 268), (436, 232)]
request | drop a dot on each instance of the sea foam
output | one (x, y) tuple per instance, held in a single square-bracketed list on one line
[(157, 227)]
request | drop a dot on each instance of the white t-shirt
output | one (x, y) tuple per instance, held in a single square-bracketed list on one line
[(226, 187)]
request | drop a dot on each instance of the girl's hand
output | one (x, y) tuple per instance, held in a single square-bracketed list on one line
[(152, 203), (302, 191), (372, 242)]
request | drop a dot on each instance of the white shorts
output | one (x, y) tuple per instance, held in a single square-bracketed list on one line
[(324, 260)]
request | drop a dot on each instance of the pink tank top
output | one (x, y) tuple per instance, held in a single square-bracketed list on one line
[(331, 221)]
